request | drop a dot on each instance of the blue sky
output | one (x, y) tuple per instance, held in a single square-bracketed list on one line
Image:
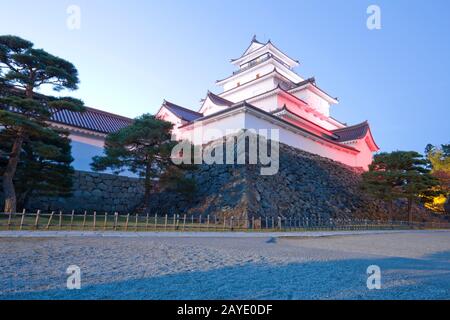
[(131, 55)]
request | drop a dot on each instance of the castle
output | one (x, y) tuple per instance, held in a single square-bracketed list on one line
[(265, 93)]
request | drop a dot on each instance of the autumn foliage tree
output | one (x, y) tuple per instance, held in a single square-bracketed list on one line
[(24, 116), (439, 158)]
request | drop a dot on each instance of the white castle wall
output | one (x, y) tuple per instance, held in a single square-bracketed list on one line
[(215, 128)]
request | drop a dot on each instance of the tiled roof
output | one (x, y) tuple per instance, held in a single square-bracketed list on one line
[(183, 113), (92, 119), (311, 80), (354, 132), (218, 100)]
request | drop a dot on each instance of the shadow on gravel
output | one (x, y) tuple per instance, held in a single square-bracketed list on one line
[(402, 278)]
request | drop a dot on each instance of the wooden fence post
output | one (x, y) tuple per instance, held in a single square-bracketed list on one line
[(49, 221), (95, 221), (126, 222), (36, 222), (71, 219), (22, 219), (116, 220), (84, 219), (146, 222), (105, 222), (224, 223), (9, 220), (207, 223), (60, 220), (174, 222), (165, 223), (156, 221), (184, 221), (136, 223)]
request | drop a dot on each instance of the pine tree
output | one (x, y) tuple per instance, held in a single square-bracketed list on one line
[(144, 148), (24, 114), (399, 174), (44, 168)]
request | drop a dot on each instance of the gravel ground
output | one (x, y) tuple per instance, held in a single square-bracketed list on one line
[(414, 265)]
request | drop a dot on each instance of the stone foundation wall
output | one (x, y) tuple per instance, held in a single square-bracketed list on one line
[(94, 192)]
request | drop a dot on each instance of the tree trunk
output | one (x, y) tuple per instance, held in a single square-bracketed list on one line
[(148, 186), (410, 217), (391, 210), (10, 171), (22, 199)]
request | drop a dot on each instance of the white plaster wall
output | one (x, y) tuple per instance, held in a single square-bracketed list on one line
[(249, 75), (212, 130), (269, 103), (210, 108), (365, 157), (298, 141), (314, 100), (91, 140), (168, 116), (305, 114)]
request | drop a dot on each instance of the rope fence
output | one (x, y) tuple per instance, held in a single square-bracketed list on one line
[(163, 222)]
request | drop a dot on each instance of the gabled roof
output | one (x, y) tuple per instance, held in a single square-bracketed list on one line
[(181, 112), (312, 82), (252, 44), (246, 53), (218, 100), (356, 132)]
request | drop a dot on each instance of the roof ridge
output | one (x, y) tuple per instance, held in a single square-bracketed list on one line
[(180, 107), (365, 122), (107, 113), (215, 96)]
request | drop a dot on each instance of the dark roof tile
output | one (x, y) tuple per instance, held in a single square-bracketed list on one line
[(354, 132), (183, 113), (92, 119), (218, 100)]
